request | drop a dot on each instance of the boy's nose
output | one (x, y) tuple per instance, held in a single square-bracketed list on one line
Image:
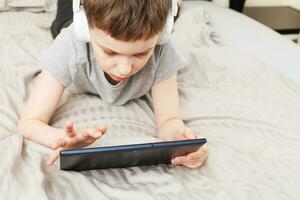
[(125, 69)]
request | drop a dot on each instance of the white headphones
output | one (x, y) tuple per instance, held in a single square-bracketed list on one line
[(82, 30)]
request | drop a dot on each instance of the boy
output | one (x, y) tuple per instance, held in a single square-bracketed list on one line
[(121, 61)]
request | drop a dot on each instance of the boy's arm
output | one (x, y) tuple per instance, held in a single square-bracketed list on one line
[(166, 107), (169, 123), (39, 109)]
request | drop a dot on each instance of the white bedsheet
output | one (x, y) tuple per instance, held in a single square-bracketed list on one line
[(246, 109)]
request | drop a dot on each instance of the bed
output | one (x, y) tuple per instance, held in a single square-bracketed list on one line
[(244, 100)]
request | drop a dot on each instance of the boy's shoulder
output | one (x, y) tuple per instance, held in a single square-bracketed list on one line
[(68, 38), (67, 34)]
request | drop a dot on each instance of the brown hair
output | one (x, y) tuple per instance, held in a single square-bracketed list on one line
[(128, 20)]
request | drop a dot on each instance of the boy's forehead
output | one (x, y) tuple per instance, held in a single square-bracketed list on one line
[(104, 40)]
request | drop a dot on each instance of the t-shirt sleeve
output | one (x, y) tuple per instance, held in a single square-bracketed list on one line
[(57, 58), (169, 61)]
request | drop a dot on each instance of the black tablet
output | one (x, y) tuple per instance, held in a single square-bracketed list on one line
[(127, 155)]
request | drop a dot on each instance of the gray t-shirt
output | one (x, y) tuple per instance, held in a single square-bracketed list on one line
[(67, 61)]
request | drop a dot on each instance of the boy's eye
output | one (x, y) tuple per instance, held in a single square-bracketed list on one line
[(141, 54), (110, 53)]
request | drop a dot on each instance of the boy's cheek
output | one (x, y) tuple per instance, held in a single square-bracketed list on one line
[(104, 63)]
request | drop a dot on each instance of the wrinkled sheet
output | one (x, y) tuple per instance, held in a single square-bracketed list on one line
[(249, 113), (28, 5)]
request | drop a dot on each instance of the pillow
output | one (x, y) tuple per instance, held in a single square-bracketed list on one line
[(237, 30), (198, 21), (28, 5)]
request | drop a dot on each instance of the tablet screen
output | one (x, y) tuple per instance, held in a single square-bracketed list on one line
[(127, 155)]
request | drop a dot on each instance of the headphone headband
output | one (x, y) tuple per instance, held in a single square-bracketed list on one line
[(82, 31), (76, 5), (174, 8)]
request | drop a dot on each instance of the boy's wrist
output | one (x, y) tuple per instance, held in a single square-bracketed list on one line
[(170, 128), (40, 132), (172, 120)]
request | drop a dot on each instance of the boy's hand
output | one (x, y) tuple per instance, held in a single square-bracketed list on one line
[(176, 130), (75, 139), (194, 159)]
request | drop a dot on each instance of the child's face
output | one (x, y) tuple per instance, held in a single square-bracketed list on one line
[(120, 59)]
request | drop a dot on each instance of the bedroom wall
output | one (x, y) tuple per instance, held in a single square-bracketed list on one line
[(267, 2), (296, 4), (293, 3)]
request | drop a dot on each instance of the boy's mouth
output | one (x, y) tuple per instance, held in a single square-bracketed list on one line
[(118, 78)]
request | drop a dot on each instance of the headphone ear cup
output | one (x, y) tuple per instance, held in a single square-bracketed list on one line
[(168, 28), (81, 26), (163, 38), (167, 31)]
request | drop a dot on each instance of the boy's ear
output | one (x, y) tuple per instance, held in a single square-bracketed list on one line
[(80, 21)]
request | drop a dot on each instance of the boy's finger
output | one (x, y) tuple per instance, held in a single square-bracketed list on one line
[(193, 156), (102, 129), (79, 138), (178, 160), (198, 156), (189, 136), (98, 133), (70, 128), (59, 143), (180, 137), (193, 165), (94, 135), (173, 162), (192, 162), (84, 135), (53, 157), (203, 153)]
